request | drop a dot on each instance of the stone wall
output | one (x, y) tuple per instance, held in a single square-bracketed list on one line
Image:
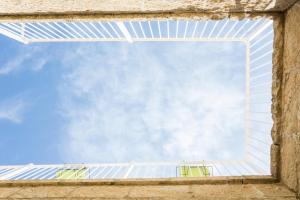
[(180, 192), (139, 6), (290, 111), (225, 188), (277, 92), (16, 10)]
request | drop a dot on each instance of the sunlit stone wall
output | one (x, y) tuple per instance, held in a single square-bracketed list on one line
[(138, 6), (173, 189), (290, 124)]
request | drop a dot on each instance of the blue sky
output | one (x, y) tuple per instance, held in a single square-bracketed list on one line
[(119, 102)]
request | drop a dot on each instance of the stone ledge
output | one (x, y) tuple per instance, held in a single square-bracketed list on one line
[(137, 16), (140, 6), (173, 192), (131, 182)]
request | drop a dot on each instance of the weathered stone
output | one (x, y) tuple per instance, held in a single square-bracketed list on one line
[(275, 150), (193, 191), (290, 128), (41, 192), (137, 16), (100, 191), (132, 6), (137, 182), (298, 176), (133, 9), (277, 78), (8, 191), (180, 191)]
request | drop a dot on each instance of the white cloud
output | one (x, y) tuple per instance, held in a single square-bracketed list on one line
[(28, 58), (39, 64), (152, 105), (13, 64), (12, 110)]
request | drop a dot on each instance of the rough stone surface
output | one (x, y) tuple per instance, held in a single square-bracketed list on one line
[(190, 191), (277, 69), (277, 72), (134, 182), (131, 6), (275, 159), (290, 126), (138, 16), (70, 7)]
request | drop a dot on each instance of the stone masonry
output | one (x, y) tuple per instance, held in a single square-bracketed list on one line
[(285, 151)]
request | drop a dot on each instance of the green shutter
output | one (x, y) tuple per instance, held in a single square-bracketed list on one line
[(194, 171), (71, 174)]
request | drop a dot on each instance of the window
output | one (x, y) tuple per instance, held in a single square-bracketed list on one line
[(251, 39)]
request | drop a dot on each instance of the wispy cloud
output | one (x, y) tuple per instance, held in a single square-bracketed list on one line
[(28, 58), (12, 109), (153, 102)]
